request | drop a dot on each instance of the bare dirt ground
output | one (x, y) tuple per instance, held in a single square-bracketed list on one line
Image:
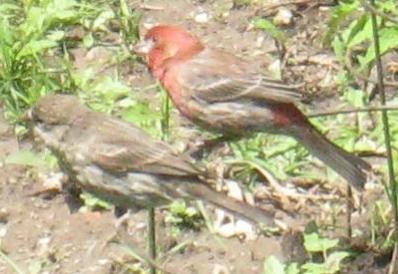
[(40, 234)]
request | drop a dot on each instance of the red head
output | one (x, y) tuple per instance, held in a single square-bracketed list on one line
[(163, 42)]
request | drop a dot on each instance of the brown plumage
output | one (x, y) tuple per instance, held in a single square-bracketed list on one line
[(120, 163)]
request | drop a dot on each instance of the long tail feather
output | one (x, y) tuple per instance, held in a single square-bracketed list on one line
[(201, 191), (349, 166)]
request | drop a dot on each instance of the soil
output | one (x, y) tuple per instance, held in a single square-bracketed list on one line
[(41, 234)]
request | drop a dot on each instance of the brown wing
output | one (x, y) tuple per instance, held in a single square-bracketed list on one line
[(120, 146), (236, 79)]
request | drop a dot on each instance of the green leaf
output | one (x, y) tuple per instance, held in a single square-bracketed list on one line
[(313, 243), (330, 266), (93, 202), (26, 158), (56, 35), (273, 266), (388, 6), (6, 33), (339, 14), (126, 102), (83, 77), (124, 8), (46, 15), (34, 23), (34, 47), (111, 88), (268, 26), (88, 40), (315, 268), (388, 38), (293, 269), (359, 31), (6, 9), (355, 97), (61, 11), (333, 261), (141, 114), (339, 48), (102, 18)]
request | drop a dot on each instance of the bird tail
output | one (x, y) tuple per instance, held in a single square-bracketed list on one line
[(201, 191), (349, 166)]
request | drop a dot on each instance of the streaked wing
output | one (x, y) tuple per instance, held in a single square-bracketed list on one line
[(216, 76), (120, 146)]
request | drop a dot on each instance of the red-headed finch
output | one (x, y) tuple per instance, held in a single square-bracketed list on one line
[(227, 94)]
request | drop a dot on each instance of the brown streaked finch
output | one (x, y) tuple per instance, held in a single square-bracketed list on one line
[(122, 164)]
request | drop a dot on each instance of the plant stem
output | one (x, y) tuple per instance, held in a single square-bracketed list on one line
[(387, 137)]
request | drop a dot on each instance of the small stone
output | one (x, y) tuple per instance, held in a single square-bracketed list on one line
[(260, 41), (103, 261), (201, 17), (245, 228), (148, 25), (284, 17), (43, 245), (220, 269), (52, 180), (12, 180), (275, 69), (234, 189), (3, 230)]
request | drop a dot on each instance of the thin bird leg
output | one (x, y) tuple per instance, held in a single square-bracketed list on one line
[(349, 212), (152, 238), (72, 196)]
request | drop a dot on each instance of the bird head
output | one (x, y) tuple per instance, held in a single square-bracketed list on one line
[(52, 116), (169, 41), (58, 109)]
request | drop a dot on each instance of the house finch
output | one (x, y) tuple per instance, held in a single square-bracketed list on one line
[(224, 93), (120, 163)]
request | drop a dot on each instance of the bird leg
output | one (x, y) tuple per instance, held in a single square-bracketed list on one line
[(152, 238), (72, 197)]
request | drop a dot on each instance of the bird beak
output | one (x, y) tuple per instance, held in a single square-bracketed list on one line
[(143, 47)]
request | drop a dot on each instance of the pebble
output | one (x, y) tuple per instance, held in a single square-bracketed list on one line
[(4, 214), (220, 269), (103, 261), (259, 41), (234, 189), (201, 17), (3, 230), (52, 180), (43, 245), (284, 17), (275, 69), (148, 25)]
